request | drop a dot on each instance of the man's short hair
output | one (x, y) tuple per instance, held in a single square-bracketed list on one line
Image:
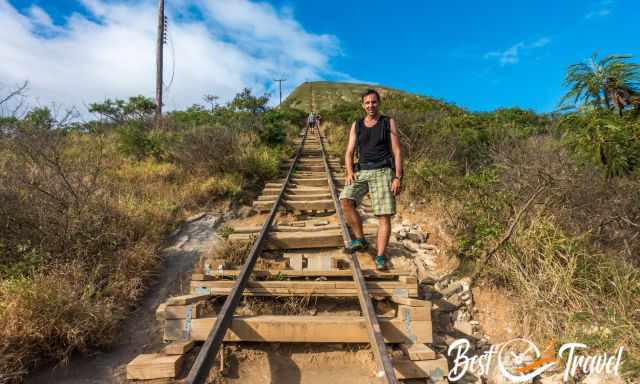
[(370, 92)]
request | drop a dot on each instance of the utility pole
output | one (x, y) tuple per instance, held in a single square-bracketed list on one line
[(161, 38), (311, 97), (280, 83)]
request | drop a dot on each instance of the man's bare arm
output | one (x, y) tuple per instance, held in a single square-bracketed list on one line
[(395, 147), (348, 156)]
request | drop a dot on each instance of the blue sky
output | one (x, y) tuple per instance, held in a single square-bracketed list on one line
[(444, 48), (479, 55)]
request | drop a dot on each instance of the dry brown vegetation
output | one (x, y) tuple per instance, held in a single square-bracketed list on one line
[(85, 208)]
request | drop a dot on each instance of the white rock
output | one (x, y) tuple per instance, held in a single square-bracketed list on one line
[(410, 246), (196, 217), (464, 327), (417, 236), (429, 247)]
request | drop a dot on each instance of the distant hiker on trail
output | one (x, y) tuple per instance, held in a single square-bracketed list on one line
[(378, 171), (311, 120)]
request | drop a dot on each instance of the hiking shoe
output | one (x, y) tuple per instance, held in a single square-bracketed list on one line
[(358, 244), (381, 263)]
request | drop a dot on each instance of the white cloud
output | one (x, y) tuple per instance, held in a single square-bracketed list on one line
[(41, 19), (602, 9), (512, 54), (110, 51)]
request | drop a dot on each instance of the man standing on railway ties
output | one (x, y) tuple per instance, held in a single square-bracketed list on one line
[(378, 172)]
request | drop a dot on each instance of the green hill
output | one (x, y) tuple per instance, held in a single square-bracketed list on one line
[(326, 94)]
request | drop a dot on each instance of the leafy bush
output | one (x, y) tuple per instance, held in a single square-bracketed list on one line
[(118, 111), (208, 148), (137, 142), (259, 164), (604, 139)]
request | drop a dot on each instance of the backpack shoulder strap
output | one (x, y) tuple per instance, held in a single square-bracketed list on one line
[(358, 130), (386, 121), (386, 124)]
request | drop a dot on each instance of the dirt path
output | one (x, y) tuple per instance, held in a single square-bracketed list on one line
[(140, 332)]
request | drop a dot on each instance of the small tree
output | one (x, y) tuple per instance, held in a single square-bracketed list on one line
[(138, 108), (246, 102), (211, 100)]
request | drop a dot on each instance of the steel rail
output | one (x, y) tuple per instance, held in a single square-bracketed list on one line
[(203, 363), (373, 325)]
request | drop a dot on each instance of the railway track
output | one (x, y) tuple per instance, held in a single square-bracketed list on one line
[(301, 245)]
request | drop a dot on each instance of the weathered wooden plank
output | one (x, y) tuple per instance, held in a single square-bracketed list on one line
[(297, 182), (178, 347), (418, 351), (411, 302), (304, 329), (314, 175), (434, 369), (185, 299), (415, 313), (300, 240), (165, 312), (154, 366), (201, 276), (291, 273), (265, 205), (302, 292), (314, 168), (315, 182), (283, 228), (409, 279), (307, 285), (315, 196), (321, 262)]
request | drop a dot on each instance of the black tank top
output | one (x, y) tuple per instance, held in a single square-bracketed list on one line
[(374, 143)]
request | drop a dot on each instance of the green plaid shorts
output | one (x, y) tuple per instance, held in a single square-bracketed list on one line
[(376, 181)]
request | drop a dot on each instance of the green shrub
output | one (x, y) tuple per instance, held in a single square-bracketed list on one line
[(259, 164), (135, 141), (604, 139), (224, 231)]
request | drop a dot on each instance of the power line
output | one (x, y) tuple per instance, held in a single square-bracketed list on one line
[(169, 37)]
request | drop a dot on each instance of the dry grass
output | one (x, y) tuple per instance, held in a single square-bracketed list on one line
[(573, 259), (79, 231), (570, 293), (281, 306), (51, 314), (227, 253)]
